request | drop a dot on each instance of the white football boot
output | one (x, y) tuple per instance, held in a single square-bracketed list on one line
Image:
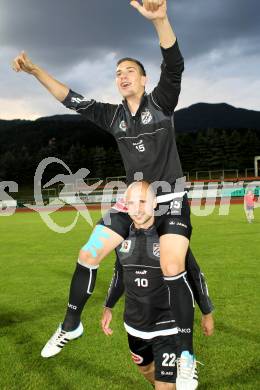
[(59, 339), (187, 376)]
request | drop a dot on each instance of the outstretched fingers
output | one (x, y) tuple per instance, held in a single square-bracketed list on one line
[(136, 5)]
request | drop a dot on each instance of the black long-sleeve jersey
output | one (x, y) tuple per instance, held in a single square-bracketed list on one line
[(142, 247), (147, 304), (146, 140)]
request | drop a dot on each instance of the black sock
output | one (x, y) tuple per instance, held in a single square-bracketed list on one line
[(81, 288), (182, 305)]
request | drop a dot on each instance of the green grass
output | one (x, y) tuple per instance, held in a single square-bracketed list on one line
[(35, 270)]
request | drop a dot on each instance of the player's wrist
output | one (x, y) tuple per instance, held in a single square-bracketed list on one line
[(35, 70), (208, 315), (160, 22), (107, 308)]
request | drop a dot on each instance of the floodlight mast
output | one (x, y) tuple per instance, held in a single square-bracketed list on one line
[(257, 158)]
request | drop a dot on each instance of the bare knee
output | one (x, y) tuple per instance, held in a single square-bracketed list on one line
[(87, 258), (147, 369), (171, 267), (101, 242), (148, 372), (173, 250), (164, 386)]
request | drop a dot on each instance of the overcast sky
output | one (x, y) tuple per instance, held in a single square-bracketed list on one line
[(79, 41)]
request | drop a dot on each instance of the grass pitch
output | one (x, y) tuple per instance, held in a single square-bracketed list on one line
[(35, 271)]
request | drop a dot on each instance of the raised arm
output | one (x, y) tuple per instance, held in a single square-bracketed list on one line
[(166, 93), (156, 11), (22, 63), (101, 114)]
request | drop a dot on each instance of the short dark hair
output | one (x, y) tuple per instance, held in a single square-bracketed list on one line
[(143, 72)]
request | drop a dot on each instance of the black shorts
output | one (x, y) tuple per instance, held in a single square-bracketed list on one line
[(163, 350), (174, 218)]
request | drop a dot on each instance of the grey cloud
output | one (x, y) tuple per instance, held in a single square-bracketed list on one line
[(70, 31), (204, 25), (62, 32)]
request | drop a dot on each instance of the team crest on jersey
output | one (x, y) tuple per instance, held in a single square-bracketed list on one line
[(123, 125), (125, 247), (156, 249), (146, 117)]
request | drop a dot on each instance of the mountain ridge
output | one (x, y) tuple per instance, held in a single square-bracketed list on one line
[(199, 116)]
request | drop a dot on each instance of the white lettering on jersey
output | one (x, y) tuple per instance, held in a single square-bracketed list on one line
[(168, 373), (72, 306), (182, 224), (141, 282), (169, 360), (78, 100), (141, 272), (139, 146), (176, 204), (178, 224), (183, 330)]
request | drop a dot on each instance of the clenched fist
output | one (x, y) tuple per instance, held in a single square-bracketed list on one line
[(23, 63), (151, 9)]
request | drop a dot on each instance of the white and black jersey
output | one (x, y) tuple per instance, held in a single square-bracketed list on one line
[(138, 274), (146, 140)]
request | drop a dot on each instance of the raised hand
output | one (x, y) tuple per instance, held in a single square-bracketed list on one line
[(151, 9), (23, 63)]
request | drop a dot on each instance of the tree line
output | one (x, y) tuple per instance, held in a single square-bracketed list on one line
[(25, 144)]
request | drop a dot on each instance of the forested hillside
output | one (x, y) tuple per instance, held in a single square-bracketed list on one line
[(202, 146)]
